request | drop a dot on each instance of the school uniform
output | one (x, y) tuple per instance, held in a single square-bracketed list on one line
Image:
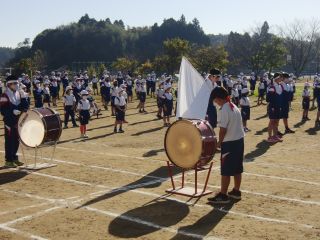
[(212, 112), (54, 89), (10, 102), (38, 95), (285, 98), (245, 108), (306, 99), (153, 83), (69, 101), (1, 87), (143, 94), (232, 147), (76, 91), (261, 89), (253, 83), (65, 82), (114, 94), (274, 102), (159, 93), (235, 95), (46, 95), (95, 83), (120, 102), (84, 111), (168, 104), (129, 87)]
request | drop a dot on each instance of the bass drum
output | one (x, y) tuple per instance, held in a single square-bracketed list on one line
[(189, 143), (39, 126)]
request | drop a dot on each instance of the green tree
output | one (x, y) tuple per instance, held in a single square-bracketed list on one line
[(125, 64), (175, 48), (145, 67), (206, 58), (39, 60)]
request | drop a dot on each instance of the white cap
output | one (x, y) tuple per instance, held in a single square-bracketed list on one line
[(84, 92), (166, 87), (68, 88), (244, 90)]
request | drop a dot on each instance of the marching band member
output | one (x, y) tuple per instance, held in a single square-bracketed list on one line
[(93, 104), (69, 104), (95, 85), (11, 108), (316, 90), (214, 76), (274, 92), (46, 94), (261, 91), (235, 94), (153, 84), (114, 94), (306, 102), (159, 93), (84, 113), (142, 96), (38, 94), (120, 110), (129, 88), (245, 108), (54, 91), (167, 106), (25, 98), (231, 140), (285, 98)]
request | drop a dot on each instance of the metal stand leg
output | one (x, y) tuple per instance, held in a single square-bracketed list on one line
[(35, 156), (170, 174)]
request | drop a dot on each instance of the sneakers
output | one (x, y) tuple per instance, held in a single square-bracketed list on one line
[(18, 163), (288, 130), (81, 135), (219, 198), (65, 127), (271, 140), (10, 165), (85, 136), (278, 138), (120, 131), (235, 194), (246, 129)]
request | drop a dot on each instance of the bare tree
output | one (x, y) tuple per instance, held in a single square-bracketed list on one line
[(300, 39)]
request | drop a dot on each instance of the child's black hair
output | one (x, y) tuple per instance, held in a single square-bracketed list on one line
[(219, 92)]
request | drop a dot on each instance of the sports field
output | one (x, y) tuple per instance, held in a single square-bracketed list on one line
[(113, 186)]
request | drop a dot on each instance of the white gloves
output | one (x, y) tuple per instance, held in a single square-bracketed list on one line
[(16, 112)]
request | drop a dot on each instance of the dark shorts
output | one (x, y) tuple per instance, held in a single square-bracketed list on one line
[(232, 157), (120, 114), (95, 85), (306, 103), (46, 98), (318, 102), (84, 117), (285, 112), (261, 92), (112, 100), (245, 113), (142, 97), (160, 102), (274, 112), (168, 107)]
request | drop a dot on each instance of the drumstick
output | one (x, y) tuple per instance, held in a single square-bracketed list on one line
[(23, 120)]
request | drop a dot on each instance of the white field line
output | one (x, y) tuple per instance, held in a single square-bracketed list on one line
[(162, 160), (283, 198), (259, 218), (188, 173), (23, 208), (22, 233), (148, 224)]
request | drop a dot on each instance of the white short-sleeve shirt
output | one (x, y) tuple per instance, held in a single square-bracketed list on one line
[(120, 101), (232, 121)]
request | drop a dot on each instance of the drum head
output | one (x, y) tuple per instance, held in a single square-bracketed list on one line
[(31, 129), (183, 144)]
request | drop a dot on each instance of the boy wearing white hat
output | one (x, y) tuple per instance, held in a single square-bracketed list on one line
[(159, 93), (167, 106), (245, 108), (120, 109), (69, 103), (306, 101), (84, 113)]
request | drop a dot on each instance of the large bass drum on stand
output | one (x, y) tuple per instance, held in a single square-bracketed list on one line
[(189, 143)]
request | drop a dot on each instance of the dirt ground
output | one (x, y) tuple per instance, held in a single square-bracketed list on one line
[(112, 186)]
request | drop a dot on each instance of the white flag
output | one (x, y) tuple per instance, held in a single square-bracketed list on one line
[(193, 92)]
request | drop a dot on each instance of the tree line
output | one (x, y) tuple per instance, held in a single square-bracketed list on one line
[(295, 47)]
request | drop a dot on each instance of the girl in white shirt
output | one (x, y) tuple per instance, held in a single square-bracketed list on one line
[(84, 113)]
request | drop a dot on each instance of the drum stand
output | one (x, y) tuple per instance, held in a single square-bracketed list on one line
[(37, 150), (192, 192)]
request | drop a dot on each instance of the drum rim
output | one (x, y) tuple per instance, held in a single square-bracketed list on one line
[(45, 124), (165, 145)]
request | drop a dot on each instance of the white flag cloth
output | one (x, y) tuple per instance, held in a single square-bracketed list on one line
[(193, 92)]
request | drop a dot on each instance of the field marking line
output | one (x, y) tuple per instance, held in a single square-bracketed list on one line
[(178, 176), (190, 173), (22, 233), (23, 208), (148, 224), (220, 209)]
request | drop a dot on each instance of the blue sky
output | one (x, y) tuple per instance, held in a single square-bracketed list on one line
[(21, 19)]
